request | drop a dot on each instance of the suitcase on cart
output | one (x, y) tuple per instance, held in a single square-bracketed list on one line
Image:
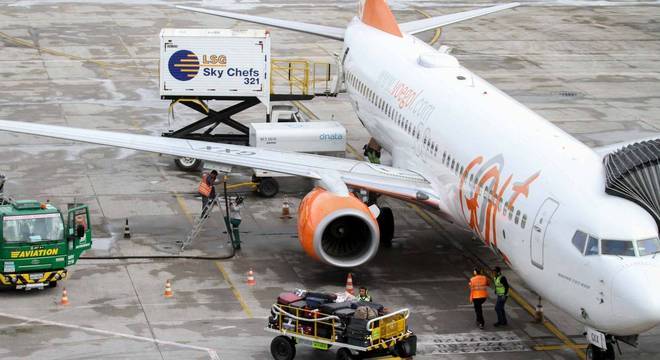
[(378, 307), (287, 298), (331, 308)]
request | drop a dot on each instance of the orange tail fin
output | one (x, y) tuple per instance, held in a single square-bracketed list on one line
[(377, 14)]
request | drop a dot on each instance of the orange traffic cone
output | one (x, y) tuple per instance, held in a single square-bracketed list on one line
[(250, 280), (65, 298), (349, 284), (168, 289), (286, 211)]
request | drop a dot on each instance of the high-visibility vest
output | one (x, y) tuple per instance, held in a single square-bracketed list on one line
[(499, 288), (478, 287), (204, 189)]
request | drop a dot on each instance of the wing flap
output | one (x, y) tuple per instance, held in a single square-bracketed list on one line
[(321, 30)]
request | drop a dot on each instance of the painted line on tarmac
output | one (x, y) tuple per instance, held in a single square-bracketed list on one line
[(512, 292), (472, 343), (183, 207), (556, 347), (237, 294), (213, 355)]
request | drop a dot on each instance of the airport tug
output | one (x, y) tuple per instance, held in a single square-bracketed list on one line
[(36, 245), (361, 330)]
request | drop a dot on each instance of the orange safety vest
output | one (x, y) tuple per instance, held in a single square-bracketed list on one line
[(478, 287), (204, 189)]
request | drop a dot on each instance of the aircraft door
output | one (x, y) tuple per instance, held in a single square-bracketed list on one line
[(541, 222)]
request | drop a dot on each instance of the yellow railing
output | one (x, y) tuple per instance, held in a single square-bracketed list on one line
[(299, 76), (388, 326), (305, 322)]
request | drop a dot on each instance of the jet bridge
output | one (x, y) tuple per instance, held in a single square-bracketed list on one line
[(633, 173)]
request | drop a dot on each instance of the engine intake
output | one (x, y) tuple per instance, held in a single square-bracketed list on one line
[(337, 230)]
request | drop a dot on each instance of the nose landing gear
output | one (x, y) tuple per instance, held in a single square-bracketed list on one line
[(596, 353)]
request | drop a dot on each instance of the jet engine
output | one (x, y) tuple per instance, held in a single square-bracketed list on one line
[(337, 230)]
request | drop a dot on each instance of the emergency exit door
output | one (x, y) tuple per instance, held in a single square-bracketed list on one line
[(539, 228)]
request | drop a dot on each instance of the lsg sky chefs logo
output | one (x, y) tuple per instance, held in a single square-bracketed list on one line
[(184, 65)]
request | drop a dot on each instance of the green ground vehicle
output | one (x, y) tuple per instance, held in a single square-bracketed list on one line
[(36, 243)]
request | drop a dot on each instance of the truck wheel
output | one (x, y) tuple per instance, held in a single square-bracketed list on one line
[(344, 354), (282, 348), (188, 164), (268, 187), (52, 284), (386, 225)]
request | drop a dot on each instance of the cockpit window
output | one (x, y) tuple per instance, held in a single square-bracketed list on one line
[(618, 247), (592, 246), (648, 246), (579, 239)]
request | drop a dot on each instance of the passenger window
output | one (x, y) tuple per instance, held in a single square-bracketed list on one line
[(592, 246), (523, 222), (462, 168), (648, 246), (517, 217), (617, 247), (579, 240), (511, 210), (506, 208), (444, 157)]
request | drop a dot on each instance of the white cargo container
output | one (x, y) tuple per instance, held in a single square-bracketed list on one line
[(215, 63), (310, 137), (318, 137)]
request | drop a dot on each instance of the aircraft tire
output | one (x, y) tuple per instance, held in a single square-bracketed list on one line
[(386, 226), (268, 187)]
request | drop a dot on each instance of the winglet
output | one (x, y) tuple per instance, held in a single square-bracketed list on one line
[(376, 13)]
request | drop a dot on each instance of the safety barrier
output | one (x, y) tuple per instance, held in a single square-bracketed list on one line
[(301, 77)]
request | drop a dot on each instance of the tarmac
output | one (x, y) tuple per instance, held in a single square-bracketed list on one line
[(592, 70)]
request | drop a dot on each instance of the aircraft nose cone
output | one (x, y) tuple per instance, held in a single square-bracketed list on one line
[(636, 298)]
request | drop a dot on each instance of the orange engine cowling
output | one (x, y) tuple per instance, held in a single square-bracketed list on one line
[(337, 230)]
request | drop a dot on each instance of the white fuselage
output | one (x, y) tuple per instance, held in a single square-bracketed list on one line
[(518, 182)]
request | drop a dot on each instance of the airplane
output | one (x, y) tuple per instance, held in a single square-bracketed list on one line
[(578, 225)]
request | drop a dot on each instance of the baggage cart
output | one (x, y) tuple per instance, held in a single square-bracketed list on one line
[(386, 335)]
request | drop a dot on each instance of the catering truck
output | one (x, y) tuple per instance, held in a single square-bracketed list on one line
[(38, 242)]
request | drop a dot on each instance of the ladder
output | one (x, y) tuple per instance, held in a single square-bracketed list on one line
[(199, 222)]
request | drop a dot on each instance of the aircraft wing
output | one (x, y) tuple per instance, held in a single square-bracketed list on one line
[(333, 173), (321, 30), (417, 26)]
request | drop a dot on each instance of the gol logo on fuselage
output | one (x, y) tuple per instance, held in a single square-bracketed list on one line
[(184, 64)]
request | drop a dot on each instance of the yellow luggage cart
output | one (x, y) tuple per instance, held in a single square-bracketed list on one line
[(387, 335)]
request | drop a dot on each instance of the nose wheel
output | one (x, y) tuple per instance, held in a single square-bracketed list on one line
[(595, 353)]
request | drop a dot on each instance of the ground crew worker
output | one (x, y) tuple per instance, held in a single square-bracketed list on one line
[(207, 189), (364, 294), (235, 220), (502, 292), (478, 294)]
